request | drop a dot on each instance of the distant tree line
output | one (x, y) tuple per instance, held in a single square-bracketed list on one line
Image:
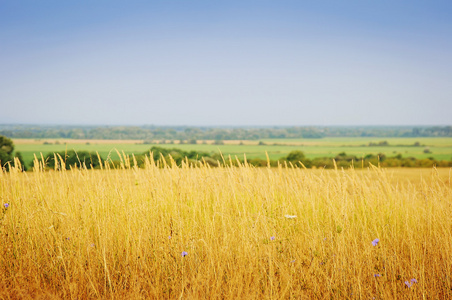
[(91, 160), (186, 133), (295, 158)]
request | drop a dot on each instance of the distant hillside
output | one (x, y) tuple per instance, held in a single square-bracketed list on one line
[(217, 133)]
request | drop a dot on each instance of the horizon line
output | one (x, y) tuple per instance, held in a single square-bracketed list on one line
[(217, 126)]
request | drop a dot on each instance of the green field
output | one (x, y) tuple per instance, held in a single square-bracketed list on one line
[(440, 148)]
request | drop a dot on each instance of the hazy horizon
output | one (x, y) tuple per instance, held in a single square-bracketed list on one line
[(222, 126), (235, 63)]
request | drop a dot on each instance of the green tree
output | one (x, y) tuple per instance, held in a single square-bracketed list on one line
[(78, 159), (6, 154), (6, 150), (297, 156)]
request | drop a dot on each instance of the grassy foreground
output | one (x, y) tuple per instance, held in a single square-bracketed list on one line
[(239, 232)]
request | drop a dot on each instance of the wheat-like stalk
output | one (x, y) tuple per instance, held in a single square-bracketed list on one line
[(230, 232)]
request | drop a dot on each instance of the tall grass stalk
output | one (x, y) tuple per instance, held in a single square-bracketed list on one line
[(228, 232)]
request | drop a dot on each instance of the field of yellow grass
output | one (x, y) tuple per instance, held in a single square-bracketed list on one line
[(226, 233)]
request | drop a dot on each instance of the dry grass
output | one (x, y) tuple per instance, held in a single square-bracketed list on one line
[(121, 233)]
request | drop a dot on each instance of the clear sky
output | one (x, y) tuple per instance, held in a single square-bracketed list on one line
[(316, 62)]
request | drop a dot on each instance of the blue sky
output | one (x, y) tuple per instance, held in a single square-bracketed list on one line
[(226, 62)]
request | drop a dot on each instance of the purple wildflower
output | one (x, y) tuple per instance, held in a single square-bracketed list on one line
[(375, 242), (414, 280), (6, 205), (377, 275), (408, 284), (272, 238), (184, 253)]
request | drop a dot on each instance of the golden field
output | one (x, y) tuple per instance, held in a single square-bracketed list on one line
[(225, 233)]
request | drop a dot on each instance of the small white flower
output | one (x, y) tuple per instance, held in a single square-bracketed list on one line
[(290, 216)]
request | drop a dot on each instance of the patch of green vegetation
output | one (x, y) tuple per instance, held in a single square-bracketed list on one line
[(439, 148)]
